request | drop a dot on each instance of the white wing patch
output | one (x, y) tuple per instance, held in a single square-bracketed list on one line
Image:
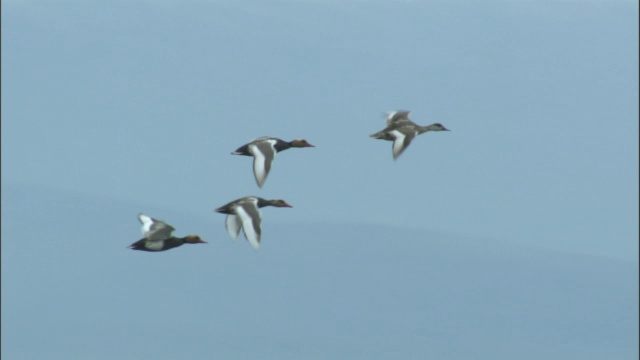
[(398, 143), (395, 116), (401, 141), (154, 229), (146, 223), (260, 166), (390, 115), (250, 233), (233, 225)]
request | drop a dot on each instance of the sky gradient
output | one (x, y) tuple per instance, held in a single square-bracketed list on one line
[(111, 109)]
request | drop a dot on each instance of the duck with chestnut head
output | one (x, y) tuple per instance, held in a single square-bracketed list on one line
[(244, 213), (264, 150), (157, 236)]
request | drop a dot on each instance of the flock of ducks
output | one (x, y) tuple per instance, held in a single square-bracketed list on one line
[(244, 213)]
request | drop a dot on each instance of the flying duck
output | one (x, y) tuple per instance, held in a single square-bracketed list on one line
[(263, 150), (401, 130), (245, 213), (157, 236)]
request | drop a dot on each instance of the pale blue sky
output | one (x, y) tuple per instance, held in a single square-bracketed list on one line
[(136, 106)]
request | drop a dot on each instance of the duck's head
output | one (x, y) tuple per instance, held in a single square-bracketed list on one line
[(300, 143), (438, 127), (279, 203), (194, 239)]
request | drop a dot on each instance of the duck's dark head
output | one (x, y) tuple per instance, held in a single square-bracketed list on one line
[(438, 127), (194, 239), (300, 143), (279, 203)]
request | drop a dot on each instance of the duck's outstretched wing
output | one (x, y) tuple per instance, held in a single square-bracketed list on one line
[(154, 229), (397, 116), (233, 225), (263, 154), (249, 215), (402, 139)]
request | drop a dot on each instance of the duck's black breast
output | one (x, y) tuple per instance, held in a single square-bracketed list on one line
[(281, 145), (262, 202), (172, 243)]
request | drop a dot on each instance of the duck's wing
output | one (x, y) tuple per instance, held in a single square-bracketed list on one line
[(263, 138), (249, 215), (402, 139), (263, 154), (397, 116), (244, 149), (233, 225), (154, 229)]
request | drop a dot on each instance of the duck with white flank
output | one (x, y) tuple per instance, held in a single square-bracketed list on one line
[(157, 236), (401, 131), (263, 150), (245, 213)]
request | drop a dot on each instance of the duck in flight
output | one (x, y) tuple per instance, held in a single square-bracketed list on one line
[(401, 130), (244, 213), (264, 150), (157, 236)]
